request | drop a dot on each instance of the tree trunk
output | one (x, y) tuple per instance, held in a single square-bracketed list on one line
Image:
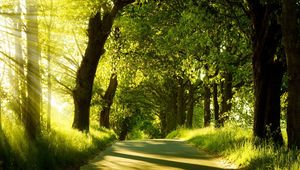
[(108, 101), (190, 112), (272, 117), (0, 114), (19, 85), (216, 105), (34, 89), (266, 39), (171, 114), (292, 48), (124, 129), (226, 98), (207, 114), (49, 83), (180, 102), (163, 123), (99, 29)]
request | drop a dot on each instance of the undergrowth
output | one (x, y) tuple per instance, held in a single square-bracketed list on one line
[(235, 144), (60, 148)]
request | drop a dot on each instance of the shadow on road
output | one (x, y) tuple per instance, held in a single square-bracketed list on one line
[(153, 155)]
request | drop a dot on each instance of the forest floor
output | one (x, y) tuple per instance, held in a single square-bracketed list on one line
[(156, 154)]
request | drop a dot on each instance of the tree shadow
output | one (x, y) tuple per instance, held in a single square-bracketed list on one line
[(162, 147), (161, 153), (160, 162)]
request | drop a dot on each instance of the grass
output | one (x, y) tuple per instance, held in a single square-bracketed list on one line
[(60, 148), (235, 144)]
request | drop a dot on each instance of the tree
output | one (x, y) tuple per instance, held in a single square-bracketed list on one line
[(226, 97), (19, 84), (290, 27), (191, 105), (99, 28), (108, 101), (267, 69), (216, 105), (33, 77), (207, 112)]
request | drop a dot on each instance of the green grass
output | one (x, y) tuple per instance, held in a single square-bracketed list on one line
[(61, 148), (235, 144)]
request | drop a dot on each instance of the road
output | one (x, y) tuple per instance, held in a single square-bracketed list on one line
[(159, 154)]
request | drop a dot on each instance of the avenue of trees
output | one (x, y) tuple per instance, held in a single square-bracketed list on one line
[(151, 66)]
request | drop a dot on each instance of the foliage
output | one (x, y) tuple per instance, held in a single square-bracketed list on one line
[(235, 144)]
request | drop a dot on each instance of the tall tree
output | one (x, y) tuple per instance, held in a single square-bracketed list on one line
[(34, 89), (267, 69), (99, 28), (19, 84), (49, 82), (291, 38)]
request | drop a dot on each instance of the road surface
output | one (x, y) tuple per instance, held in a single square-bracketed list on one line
[(159, 154)]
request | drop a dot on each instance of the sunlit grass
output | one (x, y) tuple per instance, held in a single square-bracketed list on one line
[(235, 144), (60, 148)]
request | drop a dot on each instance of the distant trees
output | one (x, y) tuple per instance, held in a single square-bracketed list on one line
[(177, 44)]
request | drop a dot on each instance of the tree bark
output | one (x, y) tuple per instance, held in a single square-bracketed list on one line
[(125, 128), (99, 29), (108, 101), (190, 112), (272, 117), (19, 85), (216, 106), (171, 114), (180, 102), (49, 82), (266, 39), (207, 114), (226, 98), (292, 47), (34, 89), (163, 123)]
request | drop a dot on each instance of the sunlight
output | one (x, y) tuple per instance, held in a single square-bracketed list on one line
[(59, 105)]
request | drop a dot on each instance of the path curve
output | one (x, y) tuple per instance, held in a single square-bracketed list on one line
[(158, 154)]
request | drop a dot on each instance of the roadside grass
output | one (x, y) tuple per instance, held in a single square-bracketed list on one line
[(236, 145), (60, 148)]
